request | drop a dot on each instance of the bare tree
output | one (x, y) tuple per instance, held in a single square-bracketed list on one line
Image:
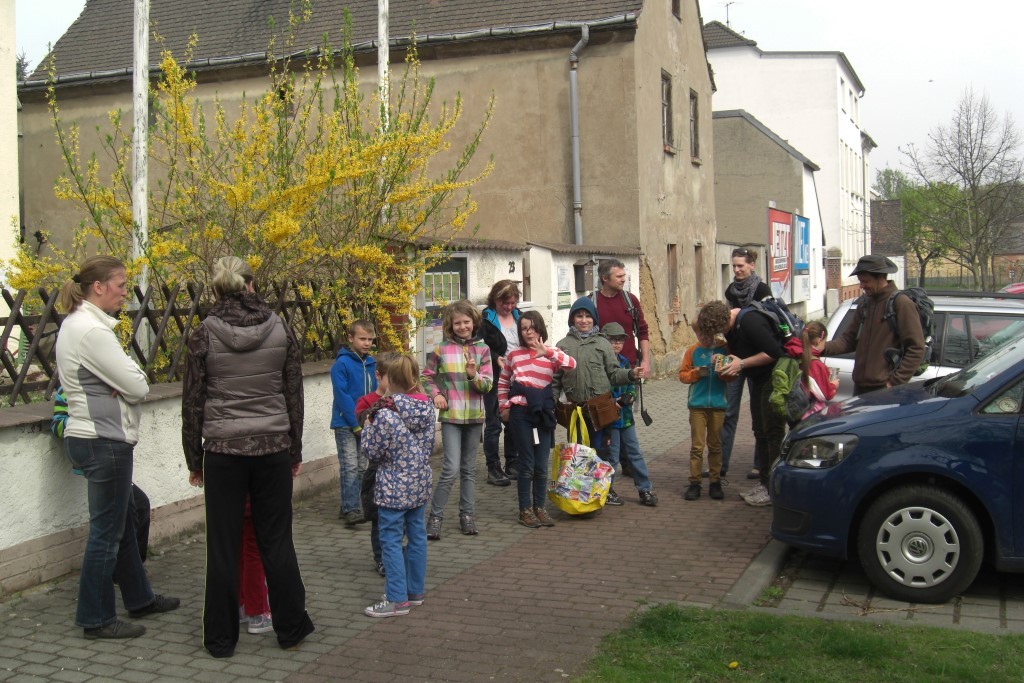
[(974, 171)]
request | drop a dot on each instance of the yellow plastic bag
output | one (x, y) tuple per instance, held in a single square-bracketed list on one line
[(578, 480)]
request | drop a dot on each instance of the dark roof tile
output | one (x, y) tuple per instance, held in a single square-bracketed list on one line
[(717, 34), (101, 38)]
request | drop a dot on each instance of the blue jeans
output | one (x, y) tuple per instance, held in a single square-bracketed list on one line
[(533, 458), (112, 548), (351, 466), (405, 572), (732, 417), (625, 441), (460, 442)]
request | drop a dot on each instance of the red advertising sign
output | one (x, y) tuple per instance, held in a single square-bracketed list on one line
[(780, 243)]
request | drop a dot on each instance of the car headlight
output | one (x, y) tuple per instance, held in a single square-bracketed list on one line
[(820, 452)]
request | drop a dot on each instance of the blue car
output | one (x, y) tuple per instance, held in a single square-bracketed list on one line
[(920, 482)]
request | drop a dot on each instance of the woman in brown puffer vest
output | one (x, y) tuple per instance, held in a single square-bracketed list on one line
[(242, 415)]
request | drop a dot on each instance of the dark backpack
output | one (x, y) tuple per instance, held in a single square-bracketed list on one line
[(785, 323), (789, 397), (925, 311)]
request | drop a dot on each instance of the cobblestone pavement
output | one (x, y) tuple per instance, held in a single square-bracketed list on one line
[(821, 586), (510, 604)]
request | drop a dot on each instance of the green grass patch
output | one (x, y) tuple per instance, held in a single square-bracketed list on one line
[(671, 643), (770, 597)]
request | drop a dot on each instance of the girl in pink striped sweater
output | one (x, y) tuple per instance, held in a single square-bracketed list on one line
[(527, 403)]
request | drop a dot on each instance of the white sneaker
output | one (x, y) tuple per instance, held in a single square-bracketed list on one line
[(261, 623), (387, 608), (757, 497)]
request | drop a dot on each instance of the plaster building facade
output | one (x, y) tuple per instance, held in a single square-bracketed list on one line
[(813, 101), (643, 106)]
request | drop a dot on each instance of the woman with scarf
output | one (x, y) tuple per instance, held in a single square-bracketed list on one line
[(597, 370), (745, 287)]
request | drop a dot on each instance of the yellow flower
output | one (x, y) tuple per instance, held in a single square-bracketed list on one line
[(280, 227)]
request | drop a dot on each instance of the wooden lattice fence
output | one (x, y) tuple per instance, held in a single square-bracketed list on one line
[(28, 349)]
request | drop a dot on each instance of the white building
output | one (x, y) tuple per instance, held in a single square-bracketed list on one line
[(812, 100)]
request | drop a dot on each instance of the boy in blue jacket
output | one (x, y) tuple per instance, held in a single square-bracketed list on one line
[(707, 400), (352, 376)]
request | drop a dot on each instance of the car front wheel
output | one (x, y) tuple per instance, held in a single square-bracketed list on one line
[(920, 544)]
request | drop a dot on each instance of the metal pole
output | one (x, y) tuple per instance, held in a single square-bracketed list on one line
[(383, 64), (140, 159), (383, 87)]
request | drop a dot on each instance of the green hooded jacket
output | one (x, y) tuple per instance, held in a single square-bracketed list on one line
[(597, 368)]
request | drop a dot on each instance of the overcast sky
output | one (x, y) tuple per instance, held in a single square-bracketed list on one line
[(915, 57)]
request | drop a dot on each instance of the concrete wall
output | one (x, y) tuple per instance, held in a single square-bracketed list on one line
[(750, 171), (44, 527)]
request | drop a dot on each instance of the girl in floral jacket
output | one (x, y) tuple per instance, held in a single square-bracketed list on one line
[(398, 436)]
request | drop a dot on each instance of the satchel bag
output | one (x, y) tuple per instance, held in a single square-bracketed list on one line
[(602, 410), (564, 412)]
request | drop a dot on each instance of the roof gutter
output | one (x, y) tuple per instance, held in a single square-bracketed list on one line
[(616, 21)]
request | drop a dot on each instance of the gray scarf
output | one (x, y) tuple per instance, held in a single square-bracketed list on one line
[(743, 290), (585, 335)]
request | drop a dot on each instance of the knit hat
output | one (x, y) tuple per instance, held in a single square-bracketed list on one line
[(876, 264), (613, 330), (583, 303)]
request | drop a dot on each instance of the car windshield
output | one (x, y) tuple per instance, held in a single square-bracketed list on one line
[(981, 371)]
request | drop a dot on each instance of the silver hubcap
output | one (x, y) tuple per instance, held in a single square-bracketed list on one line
[(917, 547)]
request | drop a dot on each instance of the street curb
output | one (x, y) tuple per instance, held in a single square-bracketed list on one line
[(758, 575)]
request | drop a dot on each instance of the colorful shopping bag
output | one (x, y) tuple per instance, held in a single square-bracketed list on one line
[(578, 480)]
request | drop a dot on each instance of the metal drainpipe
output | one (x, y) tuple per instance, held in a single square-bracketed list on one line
[(577, 195)]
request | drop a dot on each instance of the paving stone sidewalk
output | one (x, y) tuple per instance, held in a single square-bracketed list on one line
[(510, 604)]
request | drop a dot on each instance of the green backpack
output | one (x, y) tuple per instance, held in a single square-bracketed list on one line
[(789, 396)]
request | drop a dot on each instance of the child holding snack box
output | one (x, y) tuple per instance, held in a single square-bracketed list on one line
[(707, 399)]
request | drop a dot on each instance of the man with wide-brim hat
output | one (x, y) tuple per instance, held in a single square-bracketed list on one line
[(872, 336)]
